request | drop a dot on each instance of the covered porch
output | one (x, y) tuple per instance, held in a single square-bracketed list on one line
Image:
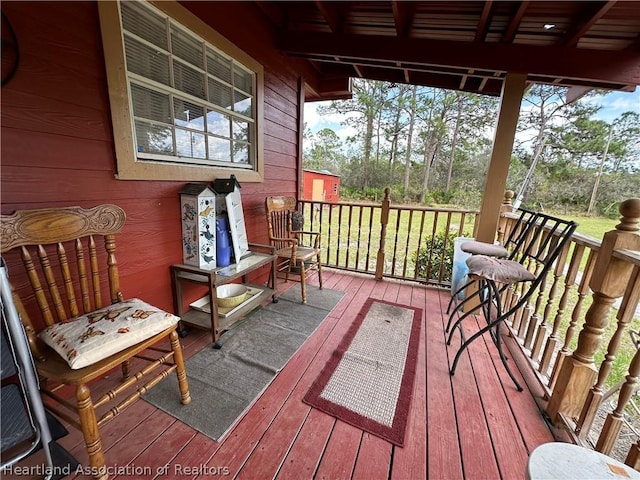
[(58, 149)]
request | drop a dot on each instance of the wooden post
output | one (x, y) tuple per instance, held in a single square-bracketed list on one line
[(507, 207), (608, 282), (512, 91), (633, 457), (384, 220)]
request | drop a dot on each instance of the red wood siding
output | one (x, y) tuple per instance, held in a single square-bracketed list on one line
[(331, 190), (57, 142)]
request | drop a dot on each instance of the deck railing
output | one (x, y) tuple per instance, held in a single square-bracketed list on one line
[(574, 353), (388, 240), (579, 326)]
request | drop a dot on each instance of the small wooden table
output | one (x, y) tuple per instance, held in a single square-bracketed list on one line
[(221, 276), (566, 461)]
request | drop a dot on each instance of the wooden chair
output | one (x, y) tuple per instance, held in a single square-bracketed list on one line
[(65, 292), (298, 250)]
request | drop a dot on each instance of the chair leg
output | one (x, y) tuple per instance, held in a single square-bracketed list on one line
[(455, 295), (490, 325), (460, 306), (319, 271), (303, 282), (89, 427), (181, 373), (126, 370)]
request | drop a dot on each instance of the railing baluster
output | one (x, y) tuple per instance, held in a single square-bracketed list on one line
[(398, 213), (419, 246), (576, 314), (338, 260), (406, 248), (434, 229), (444, 247), (553, 341), (329, 230), (613, 423), (370, 243), (625, 315), (360, 210), (543, 329), (346, 261)]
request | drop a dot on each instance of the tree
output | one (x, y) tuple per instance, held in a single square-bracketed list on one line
[(324, 152)]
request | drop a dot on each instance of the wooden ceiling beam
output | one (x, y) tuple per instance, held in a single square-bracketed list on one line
[(402, 16), (514, 23), (484, 22), (621, 67), (331, 15), (273, 12), (591, 14)]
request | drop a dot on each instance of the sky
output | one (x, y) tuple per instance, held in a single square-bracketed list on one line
[(613, 105)]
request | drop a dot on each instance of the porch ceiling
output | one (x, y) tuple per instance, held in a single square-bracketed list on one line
[(461, 45)]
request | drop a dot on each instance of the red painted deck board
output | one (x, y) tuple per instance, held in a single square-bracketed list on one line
[(472, 425)]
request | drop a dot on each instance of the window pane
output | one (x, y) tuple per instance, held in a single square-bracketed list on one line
[(154, 139), (242, 104), (218, 65), (146, 61), (190, 144), (144, 23), (150, 104), (186, 47), (219, 94), (240, 152), (188, 114), (218, 124), (188, 80), (219, 149), (241, 130), (242, 79)]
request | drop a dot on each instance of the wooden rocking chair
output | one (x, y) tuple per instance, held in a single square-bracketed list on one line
[(74, 335), (294, 254)]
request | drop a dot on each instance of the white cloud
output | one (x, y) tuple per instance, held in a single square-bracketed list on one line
[(616, 103), (316, 122)]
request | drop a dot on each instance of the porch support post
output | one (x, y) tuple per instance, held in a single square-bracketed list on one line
[(609, 281), (494, 187)]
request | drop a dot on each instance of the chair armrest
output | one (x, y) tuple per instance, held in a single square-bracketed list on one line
[(294, 241), (259, 246), (313, 236)]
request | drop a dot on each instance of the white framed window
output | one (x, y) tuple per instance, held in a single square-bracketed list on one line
[(186, 103)]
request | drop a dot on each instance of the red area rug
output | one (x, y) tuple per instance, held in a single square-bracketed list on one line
[(368, 381)]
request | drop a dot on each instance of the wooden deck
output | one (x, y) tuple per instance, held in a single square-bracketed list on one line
[(472, 425)]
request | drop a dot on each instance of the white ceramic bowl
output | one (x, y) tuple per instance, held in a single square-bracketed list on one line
[(231, 295)]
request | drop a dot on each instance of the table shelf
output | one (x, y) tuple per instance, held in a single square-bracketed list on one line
[(216, 277)]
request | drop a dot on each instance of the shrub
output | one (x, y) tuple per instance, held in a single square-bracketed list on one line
[(436, 254)]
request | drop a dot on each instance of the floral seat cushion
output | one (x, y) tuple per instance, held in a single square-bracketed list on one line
[(90, 338)]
